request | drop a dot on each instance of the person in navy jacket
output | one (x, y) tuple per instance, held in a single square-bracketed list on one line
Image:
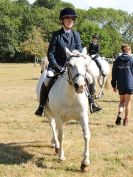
[(94, 49), (122, 79), (65, 37)]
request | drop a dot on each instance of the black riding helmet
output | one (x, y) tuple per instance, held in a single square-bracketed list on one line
[(94, 36), (67, 12)]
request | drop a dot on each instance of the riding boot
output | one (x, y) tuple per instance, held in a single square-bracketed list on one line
[(94, 107), (92, 88), (43, 99), (99, 66)]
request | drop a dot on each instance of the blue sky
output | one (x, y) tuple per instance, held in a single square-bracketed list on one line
[(125, 5)]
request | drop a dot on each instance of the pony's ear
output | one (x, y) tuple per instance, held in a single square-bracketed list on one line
[(84, 51), (68, 53)]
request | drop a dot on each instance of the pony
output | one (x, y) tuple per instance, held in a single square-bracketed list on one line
[(96, 74), (67, 100)]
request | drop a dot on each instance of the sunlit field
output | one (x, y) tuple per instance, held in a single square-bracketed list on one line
[(25, 148)]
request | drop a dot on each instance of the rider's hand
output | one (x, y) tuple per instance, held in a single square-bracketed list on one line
[(57, 68), (62, 70)]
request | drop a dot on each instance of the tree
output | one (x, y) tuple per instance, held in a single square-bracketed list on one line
[(86, 30), (110, 41), (128, 32), (19, 19), (34, 45), (113, 27), (50, 4), (23, 2), (8, 29), (47, 20)]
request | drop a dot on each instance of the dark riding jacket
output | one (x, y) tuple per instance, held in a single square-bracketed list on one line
[(56, 51), (122, 73), (93, 48)]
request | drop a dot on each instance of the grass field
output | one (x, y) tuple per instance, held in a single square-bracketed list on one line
[(25, 149)]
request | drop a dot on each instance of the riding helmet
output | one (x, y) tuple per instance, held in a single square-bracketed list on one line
[(67, 12), (94, 36)]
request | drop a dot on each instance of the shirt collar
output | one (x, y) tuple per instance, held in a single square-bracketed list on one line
[(67, 31)]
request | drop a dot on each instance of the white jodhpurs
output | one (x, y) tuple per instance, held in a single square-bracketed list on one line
[(48, 77)]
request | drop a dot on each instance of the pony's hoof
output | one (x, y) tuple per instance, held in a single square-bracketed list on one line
[(96, 97), (53, 145), (84, 167), (56, 150), (62, 159)]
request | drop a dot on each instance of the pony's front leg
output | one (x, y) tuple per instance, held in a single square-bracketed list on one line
[(54, 141), (60, 138), (86, 134)]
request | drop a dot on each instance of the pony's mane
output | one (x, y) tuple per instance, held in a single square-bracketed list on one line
[(76, 52)]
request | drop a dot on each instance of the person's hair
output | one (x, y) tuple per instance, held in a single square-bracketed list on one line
[(125, 48)]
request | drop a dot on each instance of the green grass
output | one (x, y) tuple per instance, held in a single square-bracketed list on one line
[(25, 149)]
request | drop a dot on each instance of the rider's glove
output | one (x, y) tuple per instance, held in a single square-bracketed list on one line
[(57, 68)]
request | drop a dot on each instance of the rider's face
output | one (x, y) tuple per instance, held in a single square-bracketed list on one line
[(68, 22), (94, 39)]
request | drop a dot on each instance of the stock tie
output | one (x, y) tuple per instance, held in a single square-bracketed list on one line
[(67, 34)]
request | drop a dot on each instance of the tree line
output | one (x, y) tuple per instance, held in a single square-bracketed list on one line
[(26, 29)]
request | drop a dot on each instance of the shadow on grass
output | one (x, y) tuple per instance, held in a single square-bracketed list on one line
[(13, 154), (40, 163), (57, 165), (107, 125), (108, 101), (31, 79), (72, 170), (72, 122)]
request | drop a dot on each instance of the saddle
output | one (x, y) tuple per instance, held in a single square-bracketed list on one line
[(98, 62)]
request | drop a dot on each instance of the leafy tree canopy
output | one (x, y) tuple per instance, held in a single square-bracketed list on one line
[(50, 4), (22, 23)]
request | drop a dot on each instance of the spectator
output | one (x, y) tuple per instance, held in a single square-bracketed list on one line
[(122, 79)]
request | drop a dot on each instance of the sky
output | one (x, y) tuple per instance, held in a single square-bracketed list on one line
[(125, 5)]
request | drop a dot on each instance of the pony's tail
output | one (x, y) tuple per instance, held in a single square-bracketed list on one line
[(106, 84)]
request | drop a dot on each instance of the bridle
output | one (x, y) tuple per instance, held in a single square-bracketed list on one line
[(70, 78)]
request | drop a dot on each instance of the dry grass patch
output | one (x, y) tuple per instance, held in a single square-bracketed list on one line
[(25, 149)]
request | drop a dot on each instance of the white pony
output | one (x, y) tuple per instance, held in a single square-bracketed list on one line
[(96, 74), (67, 100)]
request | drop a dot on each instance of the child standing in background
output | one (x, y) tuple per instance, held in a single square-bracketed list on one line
[(122, 79)]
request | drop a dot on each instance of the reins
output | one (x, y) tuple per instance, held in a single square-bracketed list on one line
[(66, 79)]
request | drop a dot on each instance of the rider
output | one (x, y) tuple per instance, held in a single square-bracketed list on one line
[(65, 37), (94, 49)]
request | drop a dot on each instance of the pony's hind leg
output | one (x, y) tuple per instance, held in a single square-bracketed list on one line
[(101, 84)]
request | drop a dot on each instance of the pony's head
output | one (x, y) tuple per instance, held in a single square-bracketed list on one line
[(76, 68)]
